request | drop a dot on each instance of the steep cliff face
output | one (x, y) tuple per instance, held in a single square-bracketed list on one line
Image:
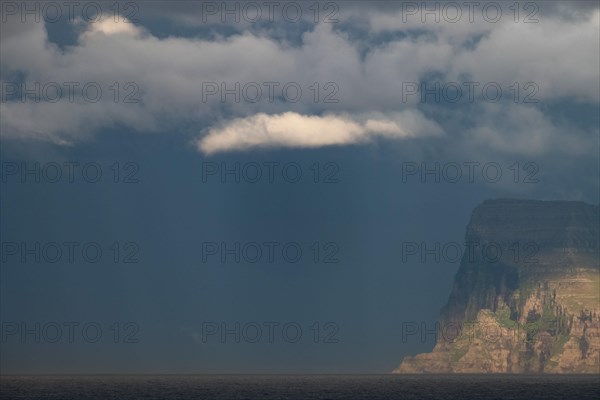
[(526, 297)]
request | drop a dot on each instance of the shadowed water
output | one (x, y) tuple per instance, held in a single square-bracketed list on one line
[(301, 387)]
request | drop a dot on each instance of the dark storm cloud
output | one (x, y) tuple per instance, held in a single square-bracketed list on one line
[(372, 67)]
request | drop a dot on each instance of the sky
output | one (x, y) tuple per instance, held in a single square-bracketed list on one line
[(201, 187)]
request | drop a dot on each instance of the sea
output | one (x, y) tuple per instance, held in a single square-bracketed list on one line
[(301, 387)]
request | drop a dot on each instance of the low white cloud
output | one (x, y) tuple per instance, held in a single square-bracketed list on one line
[(291, 129)]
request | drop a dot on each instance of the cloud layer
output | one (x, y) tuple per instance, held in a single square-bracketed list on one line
[(369, 65)]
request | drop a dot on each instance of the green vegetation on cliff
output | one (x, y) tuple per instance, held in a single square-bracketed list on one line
[(538, 313)]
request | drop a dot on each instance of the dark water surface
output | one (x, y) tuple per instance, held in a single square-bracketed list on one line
[(300, 387)]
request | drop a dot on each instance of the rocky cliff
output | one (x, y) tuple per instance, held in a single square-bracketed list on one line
[(526, 297)]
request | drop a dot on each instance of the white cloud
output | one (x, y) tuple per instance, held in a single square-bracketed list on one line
[(109, 26), (561, 56), (307, 131), (525, 131)]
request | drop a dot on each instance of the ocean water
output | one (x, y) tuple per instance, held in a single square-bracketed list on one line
[(302, 387)]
